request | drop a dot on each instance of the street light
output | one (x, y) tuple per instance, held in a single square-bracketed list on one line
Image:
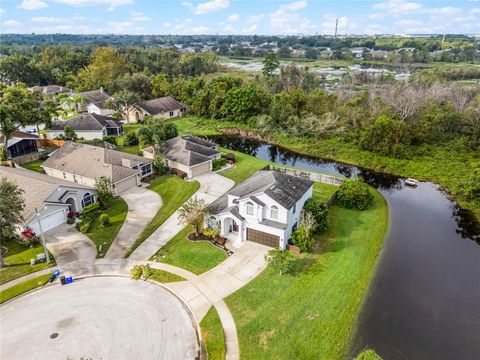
[(41, 236)]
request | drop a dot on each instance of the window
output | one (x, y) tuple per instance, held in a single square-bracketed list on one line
[(171, 113), (274, 212), (64, 175), (249, 208), (87, 200), (146, 169)]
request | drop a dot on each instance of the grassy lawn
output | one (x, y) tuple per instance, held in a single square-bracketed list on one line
[(17, 261), (34, 165), (323, 192), (105, 235), (23, 287), (310, 313), (164, 276), (212, 334), (245, 166), (196, 257), (174, 192)]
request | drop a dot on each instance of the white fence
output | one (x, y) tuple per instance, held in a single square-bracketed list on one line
[(326, 179)]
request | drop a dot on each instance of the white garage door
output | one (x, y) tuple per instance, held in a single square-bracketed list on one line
[(49, 222), (200, 169)]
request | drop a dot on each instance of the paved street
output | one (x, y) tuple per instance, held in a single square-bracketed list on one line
[(143, 204), (98, 318), (212, 186)]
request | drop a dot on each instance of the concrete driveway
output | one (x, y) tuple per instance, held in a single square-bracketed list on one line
[(212, 186), (143, 204), (74, 252), (98, 318)]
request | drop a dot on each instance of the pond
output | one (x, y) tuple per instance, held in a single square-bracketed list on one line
[(423, 302)]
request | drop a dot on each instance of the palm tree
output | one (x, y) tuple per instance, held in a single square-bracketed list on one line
[(193, 213)]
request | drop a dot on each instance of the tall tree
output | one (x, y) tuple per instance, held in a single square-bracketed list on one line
[(270, 64), (11, 207), (20, 107), (193, 213), (122, 101)]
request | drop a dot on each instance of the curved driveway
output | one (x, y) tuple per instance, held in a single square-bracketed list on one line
[(143, 205), (98, 318)]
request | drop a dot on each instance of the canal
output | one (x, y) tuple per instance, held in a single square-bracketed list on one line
[(424, 299)]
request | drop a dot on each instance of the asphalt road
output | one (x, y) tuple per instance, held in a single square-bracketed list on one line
[(97, 318)]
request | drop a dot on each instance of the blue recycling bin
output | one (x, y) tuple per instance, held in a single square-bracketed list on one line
[(68, 280)]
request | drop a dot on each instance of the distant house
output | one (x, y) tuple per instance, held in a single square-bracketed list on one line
[(53, 198), (163, 108), (87, 126), (264, 209), (191, 155), (93, 102), (51, 90), (20, 143), (83, 164)]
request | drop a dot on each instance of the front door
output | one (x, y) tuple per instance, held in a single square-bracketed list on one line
[(234, 226)]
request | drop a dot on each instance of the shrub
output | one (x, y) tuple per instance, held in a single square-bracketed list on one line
[(218, 164), (90, 212), (84, 227), (302, 238), (280, 260), (354, 194), (146, 272), (130, 139), (110, 139), (212, 233), (136, 272), (319, 211), (29, 237), (104, 220), (103, 185)]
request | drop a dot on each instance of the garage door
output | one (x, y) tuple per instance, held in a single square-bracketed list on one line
[(49, 222), (125, 184), (263, 238), (200, 169)]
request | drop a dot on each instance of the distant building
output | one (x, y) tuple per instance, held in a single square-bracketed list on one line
[(163, 108), (87, 126), (51, 90)]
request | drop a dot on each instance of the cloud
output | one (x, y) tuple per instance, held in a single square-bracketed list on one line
[(112, 4), (200, 30), (12, 25), (33, 4), (233, 17), (2, 11), (475, 11), (139, 16), (250, 29), (443, 11), (376, 16), (329, 24), (124, 27), (207, 7), (287, 20), (297, 5), (44, 19), (397, 6), (409, 23), (253, 19)]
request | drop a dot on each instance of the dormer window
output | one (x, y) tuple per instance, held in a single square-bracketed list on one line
[(274, 212), (249, 208)]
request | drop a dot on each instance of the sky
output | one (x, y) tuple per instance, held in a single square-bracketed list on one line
[(261, 17)]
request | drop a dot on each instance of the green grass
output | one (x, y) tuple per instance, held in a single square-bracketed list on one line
[(245, 166), (23, 287), (368, 354), (17, 261), (164, 276), (105, 235), (34, 165), (310, 313), (212, 334), (323, 192), (174, 192), (196, 257)]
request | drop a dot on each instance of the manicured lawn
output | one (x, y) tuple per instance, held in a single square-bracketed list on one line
[(23, 287), (310, 313), (164, 276), (17, 261), (323, 192), (104, 236), (245, 166), (174, 192), (134, 150), (212, 334), (196, 257), (34, 165)]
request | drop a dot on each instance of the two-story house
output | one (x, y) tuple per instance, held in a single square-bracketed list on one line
[(265, 209)]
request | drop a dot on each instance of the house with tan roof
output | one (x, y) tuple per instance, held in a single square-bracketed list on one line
[(84, 164), (162, 108), (51, 197)]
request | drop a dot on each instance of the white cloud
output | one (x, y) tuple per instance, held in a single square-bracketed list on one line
[(206, 7), (139, 16), (233, 17), (329, 24), (296, 5), (124, 27), (373, 29), (12, 25), (227, 28), (33, 4), (2, 11), (376, 16), (167, 24), (287, 20), (77, 29), (443, 11), (398, 6), (112, 4), (250, 29), (253, 19), (200, 30), (475, 11), (44, 19), (408, 23)]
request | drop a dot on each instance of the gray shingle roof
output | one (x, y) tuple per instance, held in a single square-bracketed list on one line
[(37, 187), (161, 105), (94, 96), (93, 161), (86, 121), (284, 189), (187, 152), (50, 89)]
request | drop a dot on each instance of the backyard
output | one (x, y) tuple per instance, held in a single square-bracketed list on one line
[(196, 257), (174, 192)]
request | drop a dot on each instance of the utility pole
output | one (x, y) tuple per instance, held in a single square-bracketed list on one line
[(336, 28), (47, 256)]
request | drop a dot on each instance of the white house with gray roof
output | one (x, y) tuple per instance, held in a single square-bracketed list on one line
[(264, 209), (191, 155), (52, 197), (87, 126), (162, 108), (84, 164)]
